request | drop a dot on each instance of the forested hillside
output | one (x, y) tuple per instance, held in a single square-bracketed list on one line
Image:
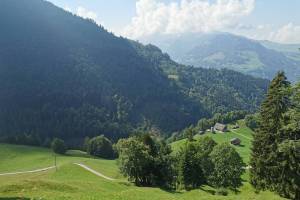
[(63, 76), (219, 91)]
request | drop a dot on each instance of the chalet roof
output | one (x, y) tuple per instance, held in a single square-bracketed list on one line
[(220, 126)]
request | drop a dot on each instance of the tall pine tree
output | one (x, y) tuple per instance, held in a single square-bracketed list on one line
[(289, 150), (264, 160)]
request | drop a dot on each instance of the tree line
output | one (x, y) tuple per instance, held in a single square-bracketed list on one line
[(150, 162), (206, 123)]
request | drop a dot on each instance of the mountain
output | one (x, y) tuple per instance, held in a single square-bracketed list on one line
[(64, 76), (224, 50), (292, 51)]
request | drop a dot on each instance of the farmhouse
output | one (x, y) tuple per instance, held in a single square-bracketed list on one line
[(235, 141), (220, 127)]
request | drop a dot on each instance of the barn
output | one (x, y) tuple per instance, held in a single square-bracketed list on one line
[(235, 141), (220, 127)]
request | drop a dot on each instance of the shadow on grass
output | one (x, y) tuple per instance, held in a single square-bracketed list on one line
[(210, 191)]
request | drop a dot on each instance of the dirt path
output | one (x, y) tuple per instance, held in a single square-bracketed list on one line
[(28, 172), (94, 172)]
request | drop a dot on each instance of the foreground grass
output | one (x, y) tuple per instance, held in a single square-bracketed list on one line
[(73, 182)]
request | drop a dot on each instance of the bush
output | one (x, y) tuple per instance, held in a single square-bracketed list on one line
[(101, 147), (58, 146)]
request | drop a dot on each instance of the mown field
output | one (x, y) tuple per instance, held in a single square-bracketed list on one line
[(73, 182)]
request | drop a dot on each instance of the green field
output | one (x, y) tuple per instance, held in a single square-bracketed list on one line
[(243, 133), (73, 182)]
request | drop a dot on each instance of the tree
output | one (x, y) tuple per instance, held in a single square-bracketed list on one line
[(58, 146), (265, 171), (101, 147), (194, 165), (134, 159), (205, 146), (228, 167), (289, 150), (164, 170), (189, 169)]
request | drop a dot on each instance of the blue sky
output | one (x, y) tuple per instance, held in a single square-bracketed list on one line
[(277, 20)]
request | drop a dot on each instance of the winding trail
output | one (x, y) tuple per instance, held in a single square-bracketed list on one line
[(94, 172), (52, 167), (28, 172)]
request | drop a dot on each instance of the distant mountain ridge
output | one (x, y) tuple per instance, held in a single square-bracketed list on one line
[(223, 50), (64, 76)]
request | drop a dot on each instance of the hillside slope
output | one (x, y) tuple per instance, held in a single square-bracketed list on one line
[(73, 182), (219, 91), (64, 76)]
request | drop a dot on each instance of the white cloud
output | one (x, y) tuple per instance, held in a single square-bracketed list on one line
[(87, 14), (155, 17), (288, 33), (84, 13)]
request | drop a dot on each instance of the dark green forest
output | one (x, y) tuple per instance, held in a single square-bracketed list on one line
[(66, 77)]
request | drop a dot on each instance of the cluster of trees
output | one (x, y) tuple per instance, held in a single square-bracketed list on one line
[(25, 139), (226, 118), (148, 162), (206, 162), (204, 124), (145, 161), (275, 158)]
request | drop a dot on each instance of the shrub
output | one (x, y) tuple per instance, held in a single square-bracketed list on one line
[(101, 147), (58, 146)]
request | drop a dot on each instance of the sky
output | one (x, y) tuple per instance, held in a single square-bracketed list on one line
[(274, 20)]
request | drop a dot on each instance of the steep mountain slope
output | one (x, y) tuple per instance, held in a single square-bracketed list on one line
[(63, 76), (222, 50)]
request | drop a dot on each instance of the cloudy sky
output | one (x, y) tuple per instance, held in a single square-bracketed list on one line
[(275, 20)]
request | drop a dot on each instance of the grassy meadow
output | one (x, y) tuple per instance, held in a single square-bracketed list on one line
[(243, 133), (73, 182)]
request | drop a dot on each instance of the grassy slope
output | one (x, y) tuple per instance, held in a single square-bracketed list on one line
[(243, 133), (73, 182)]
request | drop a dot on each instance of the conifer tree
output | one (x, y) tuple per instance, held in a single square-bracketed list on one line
[(289, 150), (265, 169)]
